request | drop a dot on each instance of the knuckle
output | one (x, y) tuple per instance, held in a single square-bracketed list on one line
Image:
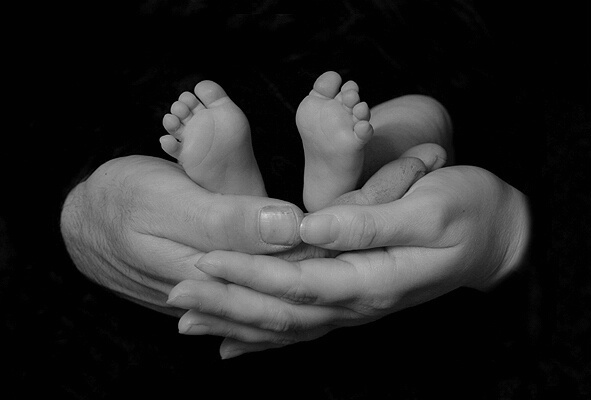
[(224, 330), (299, 295), (279, 323), (437, 221), (212, 218), (282, 321), (378, 306), (284, 340), (213, 308), (300, 298), (384, 303), (218, 224), (217, 305), (362, 231)]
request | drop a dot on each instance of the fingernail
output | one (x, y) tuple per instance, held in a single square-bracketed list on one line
[(194, 329), (184, 301), (172, 298), (439, 162), (227, 354), (419, 174), (319, 229), (278, 225)]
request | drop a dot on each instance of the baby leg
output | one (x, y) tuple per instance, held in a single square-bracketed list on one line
[(210, 138), (334, 126)]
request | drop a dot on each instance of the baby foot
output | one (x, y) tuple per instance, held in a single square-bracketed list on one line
[(210, 138), (334, 126)]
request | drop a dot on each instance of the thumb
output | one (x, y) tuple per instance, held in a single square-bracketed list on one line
[(177, 209), (359, 227), (410, 221), (372, 216), (255, 225)]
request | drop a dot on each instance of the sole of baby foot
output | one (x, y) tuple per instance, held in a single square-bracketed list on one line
[(209, 136), (334, 126)]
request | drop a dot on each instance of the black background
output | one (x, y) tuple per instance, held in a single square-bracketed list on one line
[(93, 83)]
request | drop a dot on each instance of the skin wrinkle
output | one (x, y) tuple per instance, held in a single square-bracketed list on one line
[(151, 288), (132, 277), (367, 289), (219, 308), (98, 250), (284, 321), (212, 228), (510, 245), (188, 254), (364, 230), (208, 219), (272, 324), (304, 251), (121, 277), (299, 294)]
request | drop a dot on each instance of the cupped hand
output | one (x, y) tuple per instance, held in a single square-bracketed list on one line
[(455, 227), (138, 225)]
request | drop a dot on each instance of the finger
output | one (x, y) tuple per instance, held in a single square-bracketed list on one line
[(388, 184), (247, 224), (245, 306), (168, 204), (432, 155), (316, 281), (196, 323), (231, 348), (417, 219)]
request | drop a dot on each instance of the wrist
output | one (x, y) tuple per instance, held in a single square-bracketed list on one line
[(515, 250)]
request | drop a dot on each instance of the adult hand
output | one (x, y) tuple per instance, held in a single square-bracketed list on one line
[(138, 225), (457, 226)]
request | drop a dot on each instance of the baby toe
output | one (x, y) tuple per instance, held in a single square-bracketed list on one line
[(170, 145), (350, 85), (361, 111), (190, 100), (209, 92), (363, 130), (350, 98), (328, 84), (181, 110), (171, 123)]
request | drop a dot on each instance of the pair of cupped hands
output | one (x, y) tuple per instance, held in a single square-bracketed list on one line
[(262, 274)]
